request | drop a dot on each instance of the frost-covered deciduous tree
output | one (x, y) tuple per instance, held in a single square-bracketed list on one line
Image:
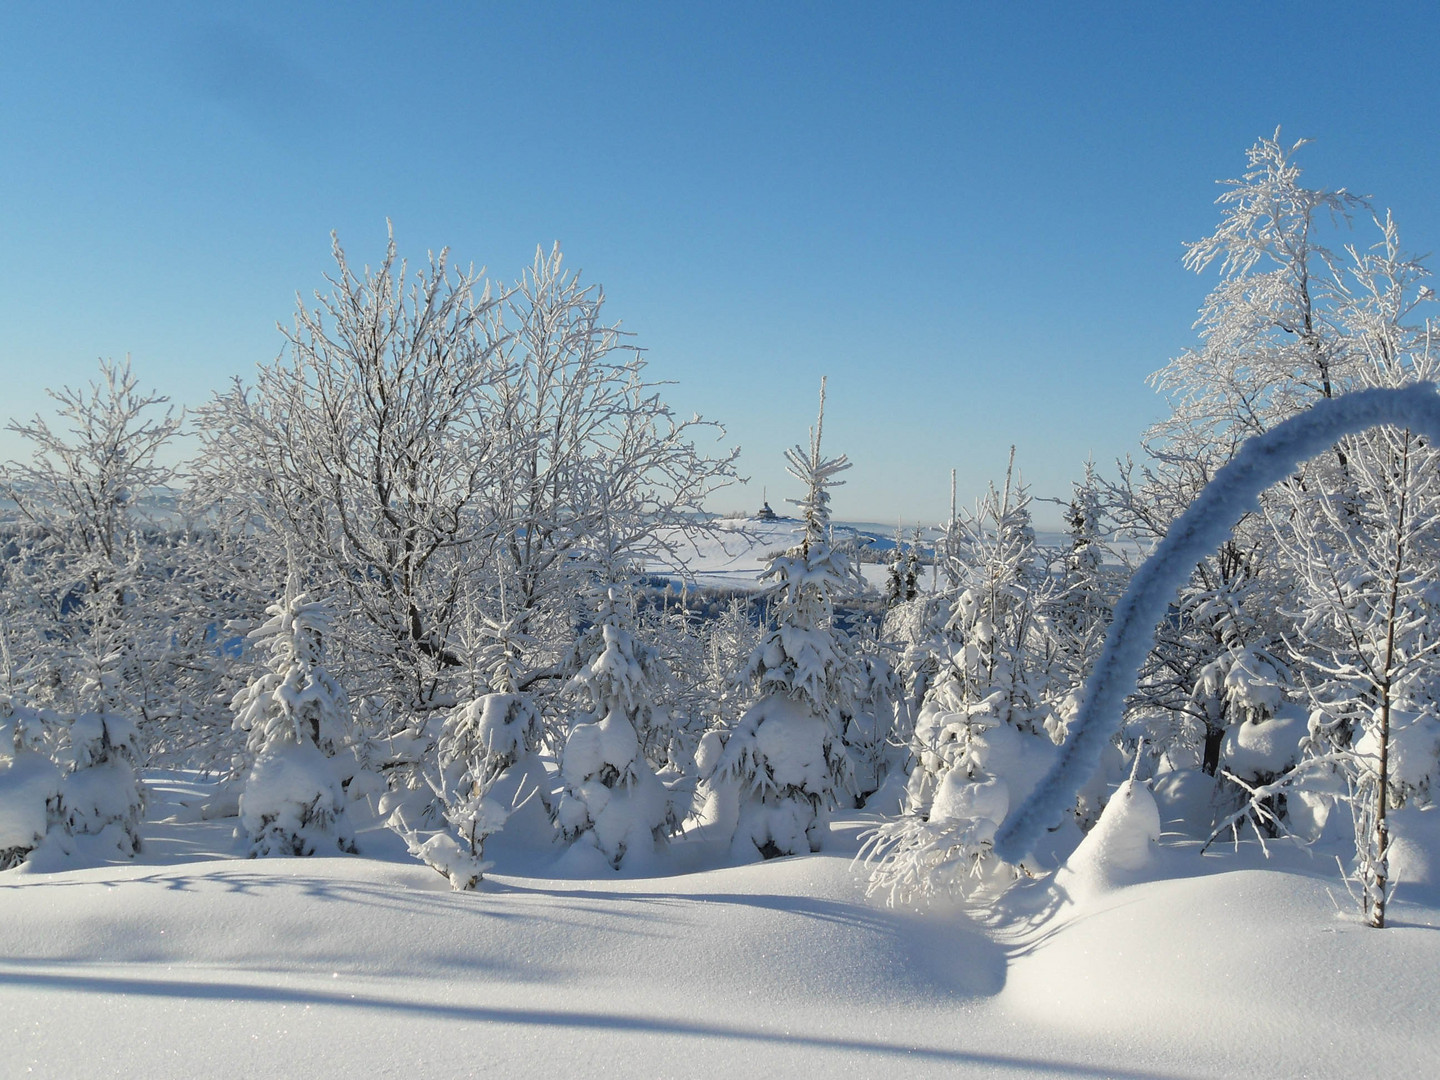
[(1301, 315), (81, 570), (295, 715), (592, 467), (423, 446), (786, 754), (368, 452), (1273, 339), (1367, 559), (1262, 463)]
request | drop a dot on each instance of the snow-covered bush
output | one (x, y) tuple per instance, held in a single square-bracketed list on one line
[(1119, 849), (473, 815), (296, 717), (29, 780), (486, 766)]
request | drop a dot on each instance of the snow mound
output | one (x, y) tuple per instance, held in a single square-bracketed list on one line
[(1244, 973), (1118, 850)]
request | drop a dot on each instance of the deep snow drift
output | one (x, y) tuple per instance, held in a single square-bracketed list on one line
[(193, 961)]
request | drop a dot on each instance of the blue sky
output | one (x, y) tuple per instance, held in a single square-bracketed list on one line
[(970, 216)]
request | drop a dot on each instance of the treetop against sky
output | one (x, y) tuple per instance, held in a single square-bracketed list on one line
[(971, 217)]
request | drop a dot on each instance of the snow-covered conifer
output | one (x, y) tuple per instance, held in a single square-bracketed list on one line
[(613, 799), (485, 767), (874, 716), (101, 795), (29, 779), (982, 737), (1080, 612), (786, 753), (296, 717)]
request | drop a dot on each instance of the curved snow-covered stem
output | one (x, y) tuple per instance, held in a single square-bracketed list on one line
[(1261, 462)]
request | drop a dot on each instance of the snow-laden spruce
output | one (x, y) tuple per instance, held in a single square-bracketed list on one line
[(487, 767), (613, 799), (784, 763), (981, 738), (296, 717), (71, 775), (29, 780), (101, 794)]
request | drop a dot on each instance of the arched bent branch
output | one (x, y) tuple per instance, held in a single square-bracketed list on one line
[(1261, 462)]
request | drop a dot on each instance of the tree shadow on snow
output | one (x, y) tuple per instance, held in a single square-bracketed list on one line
[(575, 1020)]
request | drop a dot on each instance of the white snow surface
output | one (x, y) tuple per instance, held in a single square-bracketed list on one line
[(194, 962)]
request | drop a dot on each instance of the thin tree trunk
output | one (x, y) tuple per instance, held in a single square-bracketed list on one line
[(1381, 867)]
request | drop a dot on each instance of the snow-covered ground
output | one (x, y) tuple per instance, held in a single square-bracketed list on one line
[(193, 961)]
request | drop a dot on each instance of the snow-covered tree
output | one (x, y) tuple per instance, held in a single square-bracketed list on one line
[(1368, 561), (295, 715), (81, 569), (29, 779), (1265, 462), (1080, 611), (995, 674), (983, 736), (424, 445), (613, 799), (874, 715), (593, 468), (485, 767), (902, 573), (786, 753), (1298, 317), (367, 452), (101, 795)]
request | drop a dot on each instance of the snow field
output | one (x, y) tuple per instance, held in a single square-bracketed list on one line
[(194, 962)]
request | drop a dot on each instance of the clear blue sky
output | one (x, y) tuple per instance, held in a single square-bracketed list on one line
[(970, 216)]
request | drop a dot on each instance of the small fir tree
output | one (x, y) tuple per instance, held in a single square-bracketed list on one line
[(613, 799), (294, 713), (101, 795), (786, 754), (29, 779)]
